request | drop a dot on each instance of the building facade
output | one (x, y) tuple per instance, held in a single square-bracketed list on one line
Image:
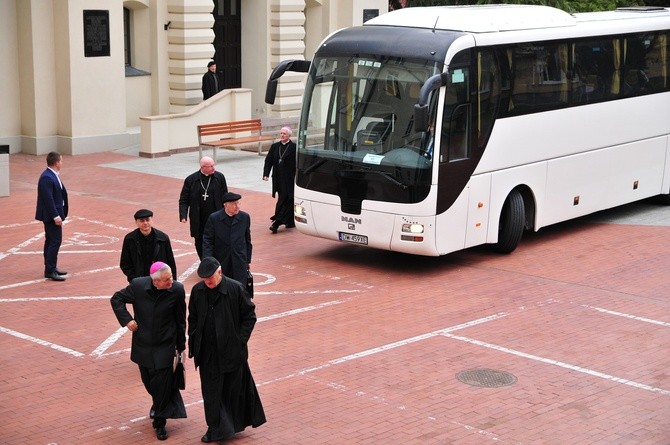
[(76, 76)]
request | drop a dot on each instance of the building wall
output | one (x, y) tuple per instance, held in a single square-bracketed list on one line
[(54, 98)]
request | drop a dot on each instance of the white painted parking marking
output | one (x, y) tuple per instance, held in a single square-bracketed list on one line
[(386, 347), (560, 364), (632, 317), (41, 342)]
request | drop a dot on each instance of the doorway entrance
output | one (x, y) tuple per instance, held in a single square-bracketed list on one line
[(227, 42)]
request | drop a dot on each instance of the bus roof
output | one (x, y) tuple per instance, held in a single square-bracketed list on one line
[(498, 18)]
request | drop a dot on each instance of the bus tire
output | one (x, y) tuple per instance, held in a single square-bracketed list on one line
[(511, 225)]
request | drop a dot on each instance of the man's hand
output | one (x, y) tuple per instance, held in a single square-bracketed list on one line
[(133, 326)]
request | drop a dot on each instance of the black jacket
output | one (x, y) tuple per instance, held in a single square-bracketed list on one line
[(229, 242), (191, 197), (232, 304), (161, 317), (131, 254)]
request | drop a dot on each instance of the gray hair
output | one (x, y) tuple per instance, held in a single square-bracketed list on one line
[(160, 272)]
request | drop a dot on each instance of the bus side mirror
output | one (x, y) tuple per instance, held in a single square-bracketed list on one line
[(420, 117), (299, 66), (421, 107), (271, 91)]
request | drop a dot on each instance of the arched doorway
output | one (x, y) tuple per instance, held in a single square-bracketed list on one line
[(227, 42)]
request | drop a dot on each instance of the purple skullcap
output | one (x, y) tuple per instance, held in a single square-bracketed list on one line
[(155, 267)]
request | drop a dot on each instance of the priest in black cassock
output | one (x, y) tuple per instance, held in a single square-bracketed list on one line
[(280, 160), (220, 320), (158, 324), (201, 195)]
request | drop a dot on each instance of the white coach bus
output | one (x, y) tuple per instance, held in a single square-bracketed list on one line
[(430, 130)]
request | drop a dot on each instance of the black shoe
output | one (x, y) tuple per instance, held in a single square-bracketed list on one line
[(161, 433), (54, 276), (290, 225), (207, 438), (60, 272), (273, 228)]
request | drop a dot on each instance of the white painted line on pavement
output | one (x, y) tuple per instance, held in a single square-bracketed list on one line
[(41, 342), (561, 364), (97, 352), (386, 347), (632, 317)]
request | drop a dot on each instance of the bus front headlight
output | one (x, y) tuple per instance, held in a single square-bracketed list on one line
[(414, 232)]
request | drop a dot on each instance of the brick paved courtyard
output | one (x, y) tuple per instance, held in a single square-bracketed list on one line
[(352, 346)]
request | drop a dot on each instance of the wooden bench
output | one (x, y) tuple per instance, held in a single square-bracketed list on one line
[(225, 131)]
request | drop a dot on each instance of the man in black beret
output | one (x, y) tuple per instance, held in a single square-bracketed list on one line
[(221, 317), (210, 81), (144, 246), (227, 237)]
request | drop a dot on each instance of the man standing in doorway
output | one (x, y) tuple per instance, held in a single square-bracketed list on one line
[(52, 209), (201, 195), (210, 81)]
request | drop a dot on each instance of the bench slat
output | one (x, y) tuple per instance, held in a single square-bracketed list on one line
[(224, 128)]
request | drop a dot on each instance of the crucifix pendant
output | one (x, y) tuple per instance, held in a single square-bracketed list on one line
[(204, 196)]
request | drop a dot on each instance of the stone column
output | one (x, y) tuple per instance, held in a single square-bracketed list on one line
[(287, 41), (190, 47)]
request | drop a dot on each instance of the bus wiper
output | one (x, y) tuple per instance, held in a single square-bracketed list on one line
[(314, 166), (388, 176), (391, 178)]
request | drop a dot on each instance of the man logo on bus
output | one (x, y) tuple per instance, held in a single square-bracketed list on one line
[(352, 226), (352, 220)]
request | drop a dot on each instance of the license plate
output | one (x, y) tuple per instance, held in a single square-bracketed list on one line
[(350, 237)]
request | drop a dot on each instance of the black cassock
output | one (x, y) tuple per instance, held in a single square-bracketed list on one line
[(280, 160), (220, 324), (161, 316)]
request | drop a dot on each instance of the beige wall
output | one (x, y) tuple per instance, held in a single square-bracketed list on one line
[(10, 111), (55, 98)]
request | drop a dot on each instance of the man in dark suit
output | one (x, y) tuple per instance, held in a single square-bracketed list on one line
[(210, 81), (158, 325), (52, 209), (201, 195), (227, 237), (221, 317)]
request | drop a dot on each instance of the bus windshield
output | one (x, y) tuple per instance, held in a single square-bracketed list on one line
[(356, 136)]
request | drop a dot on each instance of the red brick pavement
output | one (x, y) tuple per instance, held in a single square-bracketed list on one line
[(352, 345)]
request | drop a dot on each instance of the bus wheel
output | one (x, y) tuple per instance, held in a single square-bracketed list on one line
[(511, 224)]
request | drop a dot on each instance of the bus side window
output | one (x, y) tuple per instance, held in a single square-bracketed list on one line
[(456, 117)]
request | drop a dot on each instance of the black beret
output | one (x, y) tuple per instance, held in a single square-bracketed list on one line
[(230, 196), (211, 63), (207, 267), (143, 213)]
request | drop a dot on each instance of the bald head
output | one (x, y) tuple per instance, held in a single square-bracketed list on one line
[(207, 165)]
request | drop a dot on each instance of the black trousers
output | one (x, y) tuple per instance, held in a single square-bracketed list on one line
[(53, 237)]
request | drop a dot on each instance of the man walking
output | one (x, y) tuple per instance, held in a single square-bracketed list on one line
[(280, 160), (144, 246), (220, 321), (201, 195), (227, 237), (52, 209), (158, 325)]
